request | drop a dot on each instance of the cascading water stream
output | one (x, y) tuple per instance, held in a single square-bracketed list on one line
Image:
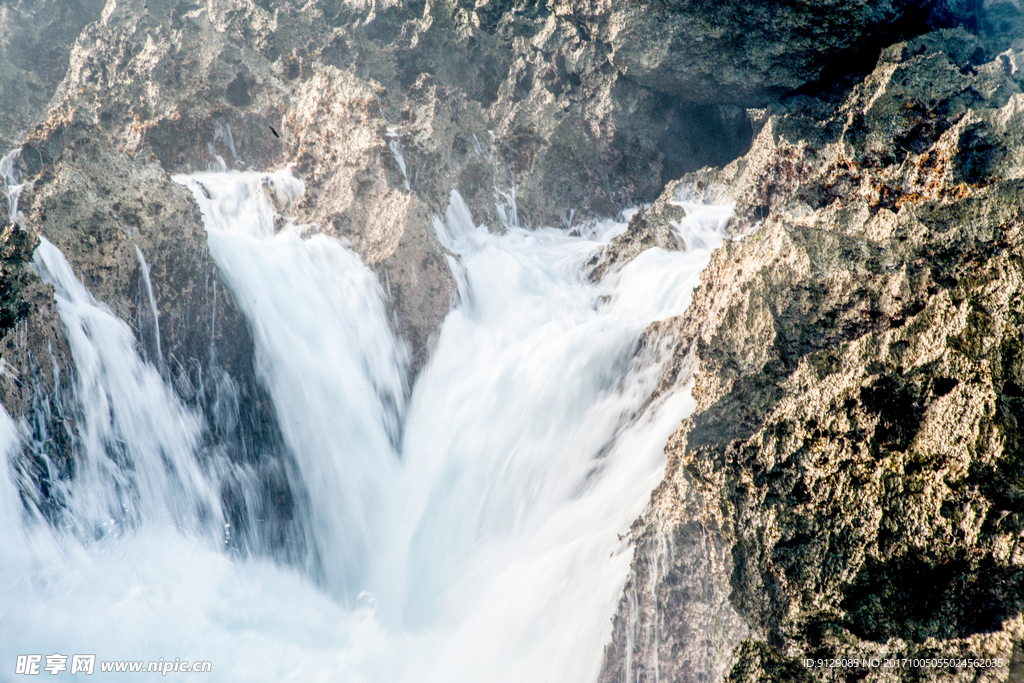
[(326, 353), (467, 529), (148, 284), (137, 443), (9, 175)]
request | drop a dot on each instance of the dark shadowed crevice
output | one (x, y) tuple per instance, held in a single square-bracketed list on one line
[(917, 597)]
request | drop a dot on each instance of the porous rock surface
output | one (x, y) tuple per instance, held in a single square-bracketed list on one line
[(36, 39), (383, 108), (849, 486), (749, 53), (537, 113)]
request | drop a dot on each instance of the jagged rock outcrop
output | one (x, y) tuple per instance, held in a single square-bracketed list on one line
[(385, 110), (110, 213), (538, 113), (848, 487), (709, 52), (36, 38)]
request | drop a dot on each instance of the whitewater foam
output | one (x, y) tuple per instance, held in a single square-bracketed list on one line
[(467, 528), (13, 188)]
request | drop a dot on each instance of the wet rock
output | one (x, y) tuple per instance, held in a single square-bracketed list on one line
[(750, 53), (37, 39), (858, 350), (384, 110), (103, 210)]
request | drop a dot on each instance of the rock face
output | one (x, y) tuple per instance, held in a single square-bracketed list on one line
[(848, 487), (709, 52), (385, 110), (539, 114), (110, 214), (36, 38)]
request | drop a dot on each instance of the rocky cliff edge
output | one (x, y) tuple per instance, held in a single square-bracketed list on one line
[(849, 488)]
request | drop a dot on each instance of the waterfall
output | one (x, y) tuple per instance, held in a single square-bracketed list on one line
[(148, 284), (326, 352), (11, 185), (467, 527), (136, 458)]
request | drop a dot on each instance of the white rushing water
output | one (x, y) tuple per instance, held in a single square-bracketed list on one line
[(467, 529), (12, 187), (137, 441)]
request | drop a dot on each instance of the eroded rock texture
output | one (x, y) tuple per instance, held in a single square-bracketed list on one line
[(849, 486), (704, 51), (537, 113), (383, 108), (36, 39)]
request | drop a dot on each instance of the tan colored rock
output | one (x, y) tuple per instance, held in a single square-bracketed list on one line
[(856, 439)]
